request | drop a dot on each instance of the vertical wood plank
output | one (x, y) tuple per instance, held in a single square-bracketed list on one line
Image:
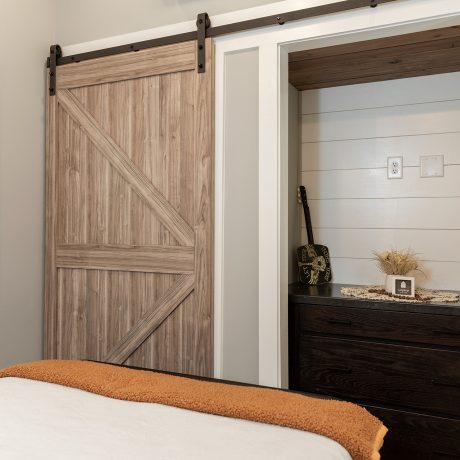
[(61, 314), (204, 186), (171, 181), (185, 313), (50, 319), (77, 297), (91, 314)]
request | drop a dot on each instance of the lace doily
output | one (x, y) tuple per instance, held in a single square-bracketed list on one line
[(421, 295)]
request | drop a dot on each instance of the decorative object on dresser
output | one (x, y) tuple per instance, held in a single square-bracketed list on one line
[(421, 295), (313, 259), (397, 265), (399, 360)]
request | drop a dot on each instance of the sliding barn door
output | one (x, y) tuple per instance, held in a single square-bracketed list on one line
[(129, 211)]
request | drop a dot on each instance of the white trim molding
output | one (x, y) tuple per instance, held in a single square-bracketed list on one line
[(269, 240)]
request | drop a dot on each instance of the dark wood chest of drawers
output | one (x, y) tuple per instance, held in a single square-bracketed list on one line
[(401, 361)]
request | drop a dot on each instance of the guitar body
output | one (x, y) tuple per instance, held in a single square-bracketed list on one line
[(314, 264), (313, 259)]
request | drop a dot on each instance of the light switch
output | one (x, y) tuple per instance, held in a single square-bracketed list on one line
[(432, 166)]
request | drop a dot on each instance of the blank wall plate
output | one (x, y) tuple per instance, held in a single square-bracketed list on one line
[(395, 167), (432, 166)]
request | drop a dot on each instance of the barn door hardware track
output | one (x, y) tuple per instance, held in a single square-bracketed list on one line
[(55, 54), (202, 23), (204, 30)]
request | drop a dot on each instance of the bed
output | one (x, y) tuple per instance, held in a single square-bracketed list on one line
[(48, 421), (49, 417)]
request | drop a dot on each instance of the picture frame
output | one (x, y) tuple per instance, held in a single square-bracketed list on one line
[(400, 285)]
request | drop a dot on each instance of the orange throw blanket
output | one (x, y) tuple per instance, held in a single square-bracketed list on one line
[(348, 424)]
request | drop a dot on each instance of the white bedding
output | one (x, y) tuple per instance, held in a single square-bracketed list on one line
[(46, 421)]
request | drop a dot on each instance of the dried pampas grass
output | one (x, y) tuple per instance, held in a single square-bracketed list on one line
[(397, 262)]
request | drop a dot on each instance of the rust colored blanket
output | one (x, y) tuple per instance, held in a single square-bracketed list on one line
[(348, 424)]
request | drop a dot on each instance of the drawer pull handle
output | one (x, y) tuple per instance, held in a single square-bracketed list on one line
[(445, 384), (448, 333), (345, 322), (343, 370)]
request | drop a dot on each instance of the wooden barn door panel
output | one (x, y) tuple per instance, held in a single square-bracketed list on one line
[(129, 211)]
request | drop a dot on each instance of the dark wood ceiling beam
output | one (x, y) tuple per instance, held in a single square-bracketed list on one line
[(423, 53), (375, 44)]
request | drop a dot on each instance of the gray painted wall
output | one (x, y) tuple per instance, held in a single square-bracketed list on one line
[(241, 218), (26, 32), (85, 20)]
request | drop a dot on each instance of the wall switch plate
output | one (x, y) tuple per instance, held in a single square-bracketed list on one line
[(395, 167), (432, 166)]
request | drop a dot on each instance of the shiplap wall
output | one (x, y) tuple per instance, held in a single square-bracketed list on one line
[(347, 133)]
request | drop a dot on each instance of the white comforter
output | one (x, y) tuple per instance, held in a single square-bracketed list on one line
[(46, 421)]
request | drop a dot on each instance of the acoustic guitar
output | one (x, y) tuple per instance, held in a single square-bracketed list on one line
[(313, 259)]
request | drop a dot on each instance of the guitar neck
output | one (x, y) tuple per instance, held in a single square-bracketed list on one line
[(306, 211)]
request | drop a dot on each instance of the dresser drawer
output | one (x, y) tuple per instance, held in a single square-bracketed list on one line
[(413, 377), (416, 436), (379, 324)]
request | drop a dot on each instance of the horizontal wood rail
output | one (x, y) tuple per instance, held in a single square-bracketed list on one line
[(149, 259), (155, 61)]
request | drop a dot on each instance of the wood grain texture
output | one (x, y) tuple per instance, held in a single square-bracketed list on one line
[(133, 214), (127, 169), (50, 232), (417, 436), (72, 320), (417, 378), (164, 306), (204, 223), (144, 63), (423, 53), (377, 44), (388, 325), (155, 259)]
